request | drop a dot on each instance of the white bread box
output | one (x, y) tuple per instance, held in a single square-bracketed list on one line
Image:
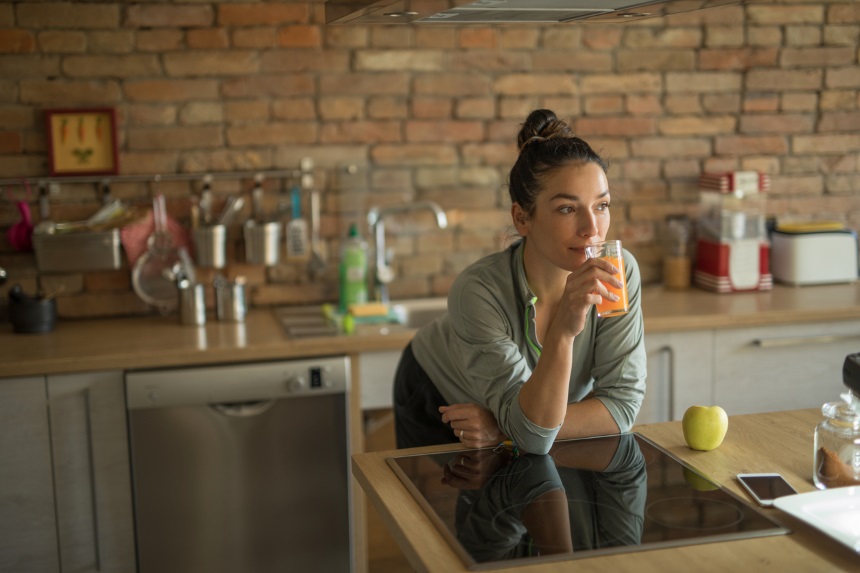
[(813, 254)]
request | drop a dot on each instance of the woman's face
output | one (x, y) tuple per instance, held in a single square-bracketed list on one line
[(571, 212)]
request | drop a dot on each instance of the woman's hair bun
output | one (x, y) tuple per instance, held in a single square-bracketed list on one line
[(541, 125)]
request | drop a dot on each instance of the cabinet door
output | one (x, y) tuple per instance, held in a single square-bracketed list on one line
[(28, 530), (680, 374), (376, 375), (91, 472), (782, 367)]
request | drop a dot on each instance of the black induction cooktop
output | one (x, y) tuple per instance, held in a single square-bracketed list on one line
[(586, 497)]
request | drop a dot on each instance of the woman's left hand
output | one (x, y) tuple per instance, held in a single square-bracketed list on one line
[(474, 426)]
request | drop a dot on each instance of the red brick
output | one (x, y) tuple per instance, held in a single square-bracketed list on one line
[(387, 107), (833, 100), (431, 107), (269, 85), (647, 104), (14, 41), (651, 37), (376, 132), (765, 14), (724, 36), (755, 102), (146, 115), (107, 281), (367, 84), (604, 104), (170, 90), (304, 60), (341, 107), (602, 38), (627, 126), (149, 139), (414, 154), (10, 142), (799, 101), (272, 134), (346, 37), (531, 84), (18, 117), (476, 108), (124, 66), (65, 92), (595, 62), (491, 60), (484, 38), (670, 147), (737, 59), (697, 125), (392, 37), (817, 57), (243, 111), (561, 37), (399, 60), (704, 82), (848, 77), (749, 145), (255, 38), (211, 63), (845, 121), (777, 123), (69, 15), (7, 15), (655, 59), (207, 39), (802, 36), (61, 41), (512, 38), (300, 37), (299, 108), (843, 13), (161, 40), (444, 131), (624, 83), (168, 16), (262, 14), (783, 80)]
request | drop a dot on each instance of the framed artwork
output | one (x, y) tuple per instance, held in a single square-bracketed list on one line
[(82, 141)]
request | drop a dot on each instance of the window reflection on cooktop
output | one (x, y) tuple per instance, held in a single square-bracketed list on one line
[(587, 497)]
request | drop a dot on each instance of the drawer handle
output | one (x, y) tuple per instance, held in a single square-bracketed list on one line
[(799, 340)]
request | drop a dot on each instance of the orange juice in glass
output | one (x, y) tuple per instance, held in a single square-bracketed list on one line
[(611, 250)]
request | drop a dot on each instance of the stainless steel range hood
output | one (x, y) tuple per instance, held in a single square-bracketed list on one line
[(506, 11)]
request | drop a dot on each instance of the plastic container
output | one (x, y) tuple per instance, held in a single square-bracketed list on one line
[(676, 255), (837, 447), (33, 315), (353, 270)]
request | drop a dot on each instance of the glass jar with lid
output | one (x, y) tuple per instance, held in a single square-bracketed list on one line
[(837, 446)]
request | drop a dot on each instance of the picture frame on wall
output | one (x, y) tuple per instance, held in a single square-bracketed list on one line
[(82, 141)]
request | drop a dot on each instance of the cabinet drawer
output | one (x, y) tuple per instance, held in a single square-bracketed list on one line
[(782, 367)]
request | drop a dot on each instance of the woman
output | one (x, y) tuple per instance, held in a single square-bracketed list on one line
[(521, 353)]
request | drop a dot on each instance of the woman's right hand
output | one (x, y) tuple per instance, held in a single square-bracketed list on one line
[(584, 288)]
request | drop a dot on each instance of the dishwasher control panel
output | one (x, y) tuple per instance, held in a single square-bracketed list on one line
[(232, 383)]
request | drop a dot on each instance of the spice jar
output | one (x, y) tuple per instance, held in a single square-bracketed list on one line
[(676, 256), (837, 447)]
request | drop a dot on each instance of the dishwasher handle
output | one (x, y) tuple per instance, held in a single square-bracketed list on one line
[(244, 409)]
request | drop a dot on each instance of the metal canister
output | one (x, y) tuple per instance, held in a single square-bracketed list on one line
[(192, 303), (230, 302)]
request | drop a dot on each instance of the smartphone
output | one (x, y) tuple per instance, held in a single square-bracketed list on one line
[(765, 487)]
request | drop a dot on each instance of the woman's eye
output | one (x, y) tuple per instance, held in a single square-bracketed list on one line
[(565, 210), (603, 207)]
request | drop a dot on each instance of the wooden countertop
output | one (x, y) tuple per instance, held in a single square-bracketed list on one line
[(778, 441), (87, 345)]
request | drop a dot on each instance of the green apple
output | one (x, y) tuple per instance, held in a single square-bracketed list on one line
[(705, 427)]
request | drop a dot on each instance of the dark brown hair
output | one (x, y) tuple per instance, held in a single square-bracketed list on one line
[(546, 143)]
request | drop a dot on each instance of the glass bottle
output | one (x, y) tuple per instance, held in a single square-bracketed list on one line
[(837, 447)]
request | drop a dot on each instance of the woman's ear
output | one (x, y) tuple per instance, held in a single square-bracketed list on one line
[(520, 219)]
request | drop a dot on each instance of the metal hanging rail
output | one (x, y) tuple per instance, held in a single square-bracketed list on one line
[(153, 178)]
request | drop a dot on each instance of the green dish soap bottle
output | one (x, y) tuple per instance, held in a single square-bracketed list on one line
[(353, 270)]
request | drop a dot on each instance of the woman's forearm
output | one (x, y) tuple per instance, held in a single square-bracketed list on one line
[(543, 398), (587, 418)]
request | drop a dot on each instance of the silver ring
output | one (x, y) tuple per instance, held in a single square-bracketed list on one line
[(461, 434)]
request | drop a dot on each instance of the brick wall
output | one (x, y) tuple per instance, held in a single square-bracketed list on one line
[(428, 113)]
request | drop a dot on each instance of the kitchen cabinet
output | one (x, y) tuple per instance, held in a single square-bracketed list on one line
[(680, 374), (376, 372), (65, 487), (92, 482), (28, 532), (772, 368)]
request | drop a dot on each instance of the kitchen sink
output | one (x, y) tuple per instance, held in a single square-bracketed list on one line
[(406, 314)]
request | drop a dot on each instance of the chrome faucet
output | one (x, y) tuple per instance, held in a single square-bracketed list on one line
[(383, 273)]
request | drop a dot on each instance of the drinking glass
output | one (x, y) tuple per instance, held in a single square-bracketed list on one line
[(611, 250)]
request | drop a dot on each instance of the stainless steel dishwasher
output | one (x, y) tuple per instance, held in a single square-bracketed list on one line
[(241, 468)]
